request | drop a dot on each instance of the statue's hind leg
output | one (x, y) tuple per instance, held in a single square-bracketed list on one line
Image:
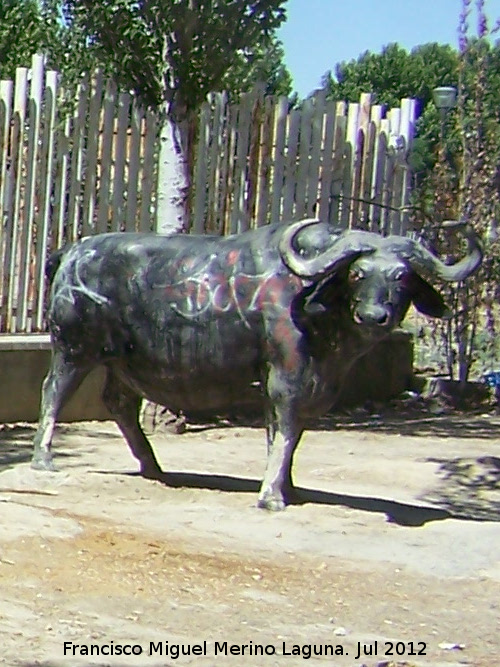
[(124, 405), (60, 383)]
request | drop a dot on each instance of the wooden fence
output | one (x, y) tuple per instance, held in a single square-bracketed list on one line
[(260, 161), (65, 175)]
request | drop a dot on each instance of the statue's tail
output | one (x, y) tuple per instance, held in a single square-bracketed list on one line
[(53, 263)]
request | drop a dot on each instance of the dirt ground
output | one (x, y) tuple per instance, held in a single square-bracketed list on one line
[(394, 543)]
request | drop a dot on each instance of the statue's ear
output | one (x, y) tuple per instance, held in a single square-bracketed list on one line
[(425, 298)]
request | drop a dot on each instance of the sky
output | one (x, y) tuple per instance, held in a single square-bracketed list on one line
[(318, 34)]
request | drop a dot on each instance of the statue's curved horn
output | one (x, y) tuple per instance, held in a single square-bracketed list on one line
[(423, 260), (345, 247)]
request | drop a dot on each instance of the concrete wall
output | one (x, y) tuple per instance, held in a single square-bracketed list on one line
[(24, 361)]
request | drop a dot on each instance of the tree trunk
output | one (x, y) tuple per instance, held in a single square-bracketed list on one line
[(173, 178)]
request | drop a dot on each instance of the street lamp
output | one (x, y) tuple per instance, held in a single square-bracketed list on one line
[(445, 98)]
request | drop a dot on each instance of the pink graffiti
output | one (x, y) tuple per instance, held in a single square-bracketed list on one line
[(208, 291)]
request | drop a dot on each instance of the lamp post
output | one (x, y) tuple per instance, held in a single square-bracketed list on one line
[(445, 98)]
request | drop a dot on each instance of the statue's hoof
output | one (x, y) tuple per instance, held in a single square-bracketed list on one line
[(271, 504), (44, 464), (152, 472)]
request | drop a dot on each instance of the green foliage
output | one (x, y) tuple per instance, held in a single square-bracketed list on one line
[(456, 162), (67, 46), (395, 73), (161, 49), (36, 26), (21, 34), (177, 51), (263, 64), (477, 202)]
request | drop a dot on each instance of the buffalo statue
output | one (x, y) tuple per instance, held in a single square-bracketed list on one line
[(279, 314)]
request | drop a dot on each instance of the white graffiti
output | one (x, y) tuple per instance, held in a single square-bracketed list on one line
[(243, 293), (70, 284)]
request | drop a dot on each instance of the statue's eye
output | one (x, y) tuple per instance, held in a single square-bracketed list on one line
[(355, 275), (399, 275)]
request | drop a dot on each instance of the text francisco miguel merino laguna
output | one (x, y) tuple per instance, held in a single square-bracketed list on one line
[(174, 651)]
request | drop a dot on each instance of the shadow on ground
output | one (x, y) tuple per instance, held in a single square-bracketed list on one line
[(16, 445), (390, 421), (400, 513), (468, 486), (460, 425)]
